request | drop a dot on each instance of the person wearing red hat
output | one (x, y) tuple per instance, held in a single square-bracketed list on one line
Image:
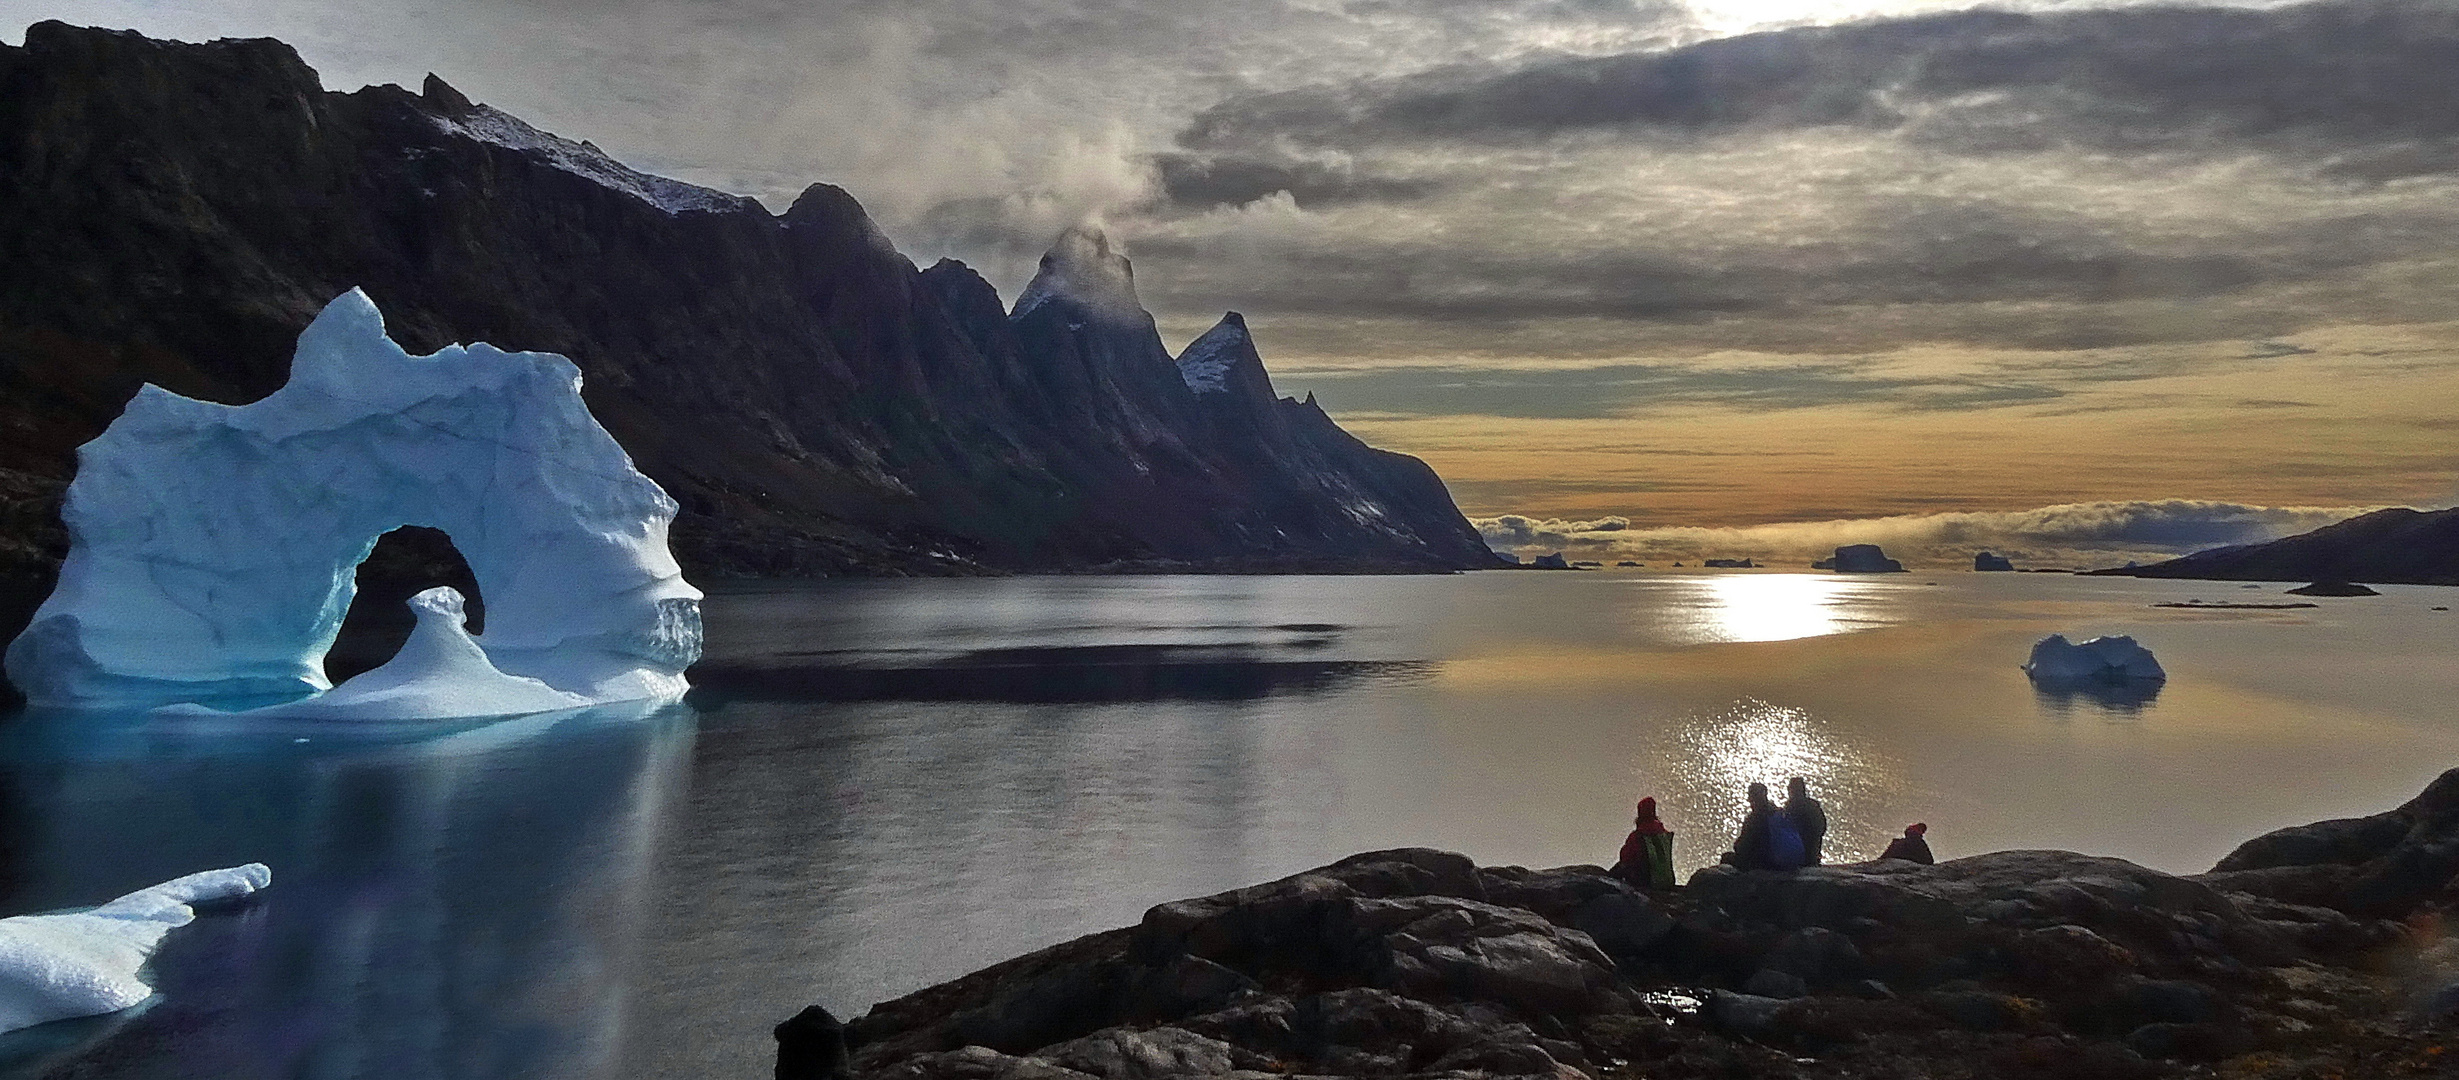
[(1911, 847), (1647, 855)]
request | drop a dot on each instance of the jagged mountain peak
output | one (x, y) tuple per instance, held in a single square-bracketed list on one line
[(1082, 266), (1207, 361)]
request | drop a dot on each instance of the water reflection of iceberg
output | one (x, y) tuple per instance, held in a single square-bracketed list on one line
[(464, 904), (2125, 697)]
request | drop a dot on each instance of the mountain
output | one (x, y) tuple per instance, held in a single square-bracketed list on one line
[(2397, 546), (176, 213)]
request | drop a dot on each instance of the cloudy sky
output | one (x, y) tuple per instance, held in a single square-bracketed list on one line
[(1670, 276)]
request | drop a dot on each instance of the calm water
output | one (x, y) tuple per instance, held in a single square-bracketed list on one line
[(884, 784)]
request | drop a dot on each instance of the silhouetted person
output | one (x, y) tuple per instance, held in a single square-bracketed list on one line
[(1750, 845), (1911, 847), (1809, 817), (1647, 854), (811, 1046)]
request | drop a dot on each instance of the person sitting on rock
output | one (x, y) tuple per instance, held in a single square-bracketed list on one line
[(1808, 816), (1751, 847), (1911, 847), (1647, 854)]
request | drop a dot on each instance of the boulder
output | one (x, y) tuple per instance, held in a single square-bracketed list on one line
[(975, 1063), (2385, 865), (811, 1046), (1124, 1054)]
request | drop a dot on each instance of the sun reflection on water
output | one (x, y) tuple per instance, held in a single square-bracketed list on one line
[(1777, 607), (1713, 758)]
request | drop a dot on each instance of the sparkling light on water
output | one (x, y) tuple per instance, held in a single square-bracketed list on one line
[(1717, 756)]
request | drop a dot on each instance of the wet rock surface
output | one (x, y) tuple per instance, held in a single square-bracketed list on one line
[(2313, 951)]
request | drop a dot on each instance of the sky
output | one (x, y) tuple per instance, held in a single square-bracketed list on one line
[(2083, 281)]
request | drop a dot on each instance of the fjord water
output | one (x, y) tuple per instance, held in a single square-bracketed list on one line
[(881, 785)]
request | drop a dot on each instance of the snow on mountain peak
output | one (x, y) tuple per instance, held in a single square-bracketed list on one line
[(491, 125), (1206, 363), (1082, 267)]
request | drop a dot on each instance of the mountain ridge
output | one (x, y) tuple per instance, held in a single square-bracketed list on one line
[(817, 403), (2396, 546)]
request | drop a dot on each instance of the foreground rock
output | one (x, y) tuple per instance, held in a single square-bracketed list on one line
[(2289, 959)]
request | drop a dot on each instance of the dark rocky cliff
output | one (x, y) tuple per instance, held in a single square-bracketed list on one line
[(2387, 546), (176, 213)]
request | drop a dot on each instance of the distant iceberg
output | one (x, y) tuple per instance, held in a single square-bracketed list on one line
[(86, 963), (213, 547), (2115, 659), (1860, 559)]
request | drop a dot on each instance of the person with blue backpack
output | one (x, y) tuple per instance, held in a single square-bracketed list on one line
[(1769, 840)]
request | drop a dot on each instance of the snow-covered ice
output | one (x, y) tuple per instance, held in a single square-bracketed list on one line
[(489, 125), (1206, 362), (54, 967), (440, 671), (2102, 659), (213, 546)]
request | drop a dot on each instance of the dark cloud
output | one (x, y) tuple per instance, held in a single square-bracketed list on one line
[(2365, 84), (1194, 182), (1619, 389)]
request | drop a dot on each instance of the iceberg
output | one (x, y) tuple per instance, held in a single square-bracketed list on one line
[(1860, 559), (55, 967), (2114, 659), (213, 547), (440, 671)]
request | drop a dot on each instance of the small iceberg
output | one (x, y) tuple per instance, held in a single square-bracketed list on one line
[(2103, 659), (2113, 672), (57, 967), (1860, 559)]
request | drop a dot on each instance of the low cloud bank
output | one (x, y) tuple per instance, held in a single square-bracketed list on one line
[(2070, 535)]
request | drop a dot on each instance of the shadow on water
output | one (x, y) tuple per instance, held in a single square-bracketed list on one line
[(1086, 674), (446, 902), (2118, 697)]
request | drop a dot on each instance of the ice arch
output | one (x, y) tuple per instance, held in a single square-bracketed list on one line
[(213, 546)]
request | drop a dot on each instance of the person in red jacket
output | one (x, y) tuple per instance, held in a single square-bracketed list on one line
[(1647, 855), (1912, 846)]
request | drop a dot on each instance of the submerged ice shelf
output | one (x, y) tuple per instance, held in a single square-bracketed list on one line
[(55, 967), (213, 547)]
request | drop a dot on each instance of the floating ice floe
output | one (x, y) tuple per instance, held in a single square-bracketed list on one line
[(213, 547), (55, 967), (2113, 659)]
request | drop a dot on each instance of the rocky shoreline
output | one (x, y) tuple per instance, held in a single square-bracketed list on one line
[(2315, 951)]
